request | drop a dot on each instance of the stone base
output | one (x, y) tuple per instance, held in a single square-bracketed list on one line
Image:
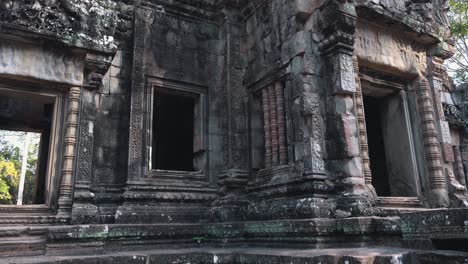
[(166, 200), (441, 228), (163, 213), (205, 255), (22, 240), (291, 208)]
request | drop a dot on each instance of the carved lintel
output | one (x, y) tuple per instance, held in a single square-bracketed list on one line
[(96, 66)]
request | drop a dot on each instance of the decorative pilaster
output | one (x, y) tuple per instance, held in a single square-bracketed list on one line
[(283, 151), (273, 126), (362, 126), (439, 196), (266, 127), (66, 183), (436, 81)]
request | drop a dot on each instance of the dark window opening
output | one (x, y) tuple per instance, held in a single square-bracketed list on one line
[(450, 244), (25, 130), (375, 140), (173, 131)]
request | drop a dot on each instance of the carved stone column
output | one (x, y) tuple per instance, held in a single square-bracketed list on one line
[(282, 148), (362, 127), (436, 80), (273, 126), (266, 127), (66, 183), (439, 196)]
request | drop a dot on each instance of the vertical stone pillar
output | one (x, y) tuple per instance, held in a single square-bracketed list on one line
[(66, 183), (266, 127), (343, 148), (343, 144), (458, 165), (283, 151), (273, 126), (439, 196), (362, 126)]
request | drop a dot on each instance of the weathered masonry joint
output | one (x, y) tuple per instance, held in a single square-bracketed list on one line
[(215, 131)]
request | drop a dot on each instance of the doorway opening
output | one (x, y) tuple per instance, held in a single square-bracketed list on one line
[(25, 132), (376, 145), (391, 150)]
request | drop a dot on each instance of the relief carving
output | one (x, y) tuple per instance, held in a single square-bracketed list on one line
[(43, 15)]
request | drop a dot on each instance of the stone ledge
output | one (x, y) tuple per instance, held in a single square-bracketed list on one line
[(381, 255)]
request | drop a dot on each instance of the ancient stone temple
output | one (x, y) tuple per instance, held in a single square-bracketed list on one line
[(233, 131)]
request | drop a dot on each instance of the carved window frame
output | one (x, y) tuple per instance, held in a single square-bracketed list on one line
[(54, 159), (200, 127)]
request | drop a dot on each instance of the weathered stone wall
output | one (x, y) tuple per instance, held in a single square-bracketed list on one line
[(275, 39), (230, 51)]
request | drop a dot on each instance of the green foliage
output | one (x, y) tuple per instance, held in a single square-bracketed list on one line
[(458, 16), (10, 167)]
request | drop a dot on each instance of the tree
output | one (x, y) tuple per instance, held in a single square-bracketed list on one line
[(457, 66), (10, 166)]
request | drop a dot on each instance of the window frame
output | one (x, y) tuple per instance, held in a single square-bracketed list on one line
[(200, 129)]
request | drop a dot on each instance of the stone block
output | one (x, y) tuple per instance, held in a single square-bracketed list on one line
[(312, 22), (343, 74), (305, 84), (298, 44), (343, 104), (445, 132), (352, 170), (306, 64), (304, 8), (342, 140), (447, 151)]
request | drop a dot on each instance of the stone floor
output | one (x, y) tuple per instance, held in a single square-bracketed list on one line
[(377, 255)]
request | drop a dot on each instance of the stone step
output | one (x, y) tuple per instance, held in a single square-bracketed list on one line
[(21, 240), (250, 255)]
